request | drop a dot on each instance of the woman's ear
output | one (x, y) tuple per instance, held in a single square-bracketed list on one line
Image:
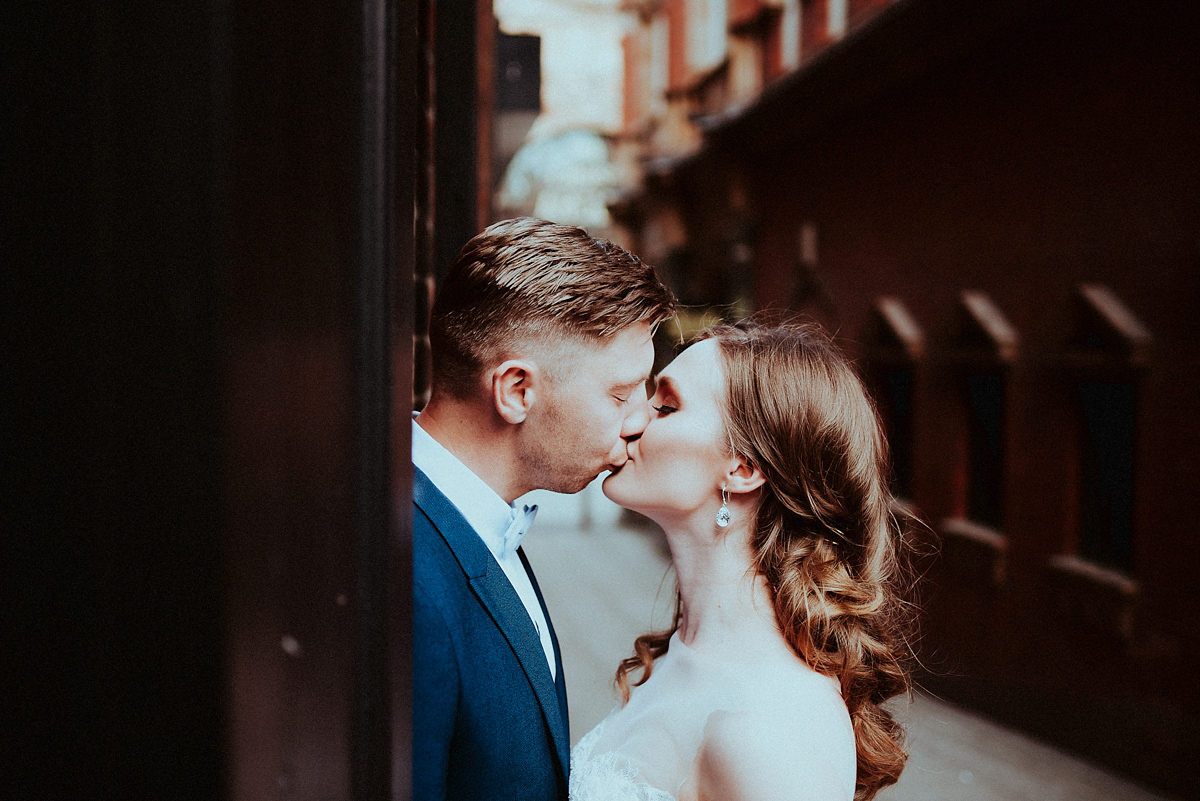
[(743, 477), (513, 390)]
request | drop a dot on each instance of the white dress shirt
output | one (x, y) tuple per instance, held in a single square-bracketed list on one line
[(491, 518)]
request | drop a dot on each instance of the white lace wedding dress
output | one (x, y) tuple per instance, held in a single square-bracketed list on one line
[(647, 750)]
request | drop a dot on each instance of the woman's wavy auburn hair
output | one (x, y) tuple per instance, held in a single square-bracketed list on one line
[(826, 535)]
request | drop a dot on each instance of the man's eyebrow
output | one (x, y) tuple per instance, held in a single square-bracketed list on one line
[(630, 386)]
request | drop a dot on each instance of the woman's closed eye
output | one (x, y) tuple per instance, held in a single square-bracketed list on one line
[(664, 410)]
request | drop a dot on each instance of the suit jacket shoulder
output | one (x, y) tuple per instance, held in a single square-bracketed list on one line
[(487, 721)]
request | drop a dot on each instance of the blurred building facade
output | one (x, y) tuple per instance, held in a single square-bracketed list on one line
[(558, 163), (996, 207)]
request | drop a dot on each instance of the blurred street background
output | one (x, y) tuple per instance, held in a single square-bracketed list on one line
[(995, 207), (607, 580)]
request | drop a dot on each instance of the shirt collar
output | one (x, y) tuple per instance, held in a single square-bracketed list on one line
[(499, 524)]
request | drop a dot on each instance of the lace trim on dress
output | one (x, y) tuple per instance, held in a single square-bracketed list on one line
[(607, 776)]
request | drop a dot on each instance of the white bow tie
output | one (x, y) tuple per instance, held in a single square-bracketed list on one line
[(522, 519)]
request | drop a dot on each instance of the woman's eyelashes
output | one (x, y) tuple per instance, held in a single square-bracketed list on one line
[(664, 409)]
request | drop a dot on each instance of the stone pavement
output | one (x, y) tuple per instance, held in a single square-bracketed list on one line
[(605, 583)]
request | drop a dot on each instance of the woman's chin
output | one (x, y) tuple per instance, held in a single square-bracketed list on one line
[(612, 487), (607, 484)]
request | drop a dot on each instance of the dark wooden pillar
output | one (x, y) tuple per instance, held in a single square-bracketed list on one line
[(462, 45), (204, 576)]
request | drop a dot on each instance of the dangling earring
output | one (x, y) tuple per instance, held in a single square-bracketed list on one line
[(723, 515)]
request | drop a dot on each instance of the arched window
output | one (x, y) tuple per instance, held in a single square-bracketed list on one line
[(981, 348), (1108, 347), (985, 345)]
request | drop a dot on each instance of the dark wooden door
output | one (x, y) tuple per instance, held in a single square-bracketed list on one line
[(204, 574)]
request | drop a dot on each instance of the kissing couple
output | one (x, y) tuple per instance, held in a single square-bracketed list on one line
[(758, 453)]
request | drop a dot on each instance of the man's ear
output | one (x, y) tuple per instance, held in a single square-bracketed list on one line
[(743, 477), (513, 389)]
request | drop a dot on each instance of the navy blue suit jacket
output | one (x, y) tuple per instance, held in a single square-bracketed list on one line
[(489, 722)]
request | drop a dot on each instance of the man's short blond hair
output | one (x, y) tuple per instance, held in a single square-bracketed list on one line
[(525, 278)]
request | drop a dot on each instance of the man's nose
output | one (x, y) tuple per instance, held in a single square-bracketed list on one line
[(636, 418)]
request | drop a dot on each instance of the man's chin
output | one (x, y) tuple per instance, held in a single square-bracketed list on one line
[(574, 486), (579, 483)]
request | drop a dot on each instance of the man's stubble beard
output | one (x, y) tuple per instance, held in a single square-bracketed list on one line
[(547, 472), (548, 466)]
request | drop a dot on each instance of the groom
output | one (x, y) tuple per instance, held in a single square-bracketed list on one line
[(541, 339)]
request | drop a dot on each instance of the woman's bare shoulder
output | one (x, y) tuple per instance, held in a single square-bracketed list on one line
[(770, 755)]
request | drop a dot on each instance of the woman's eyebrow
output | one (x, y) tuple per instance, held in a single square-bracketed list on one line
[(664, 383)]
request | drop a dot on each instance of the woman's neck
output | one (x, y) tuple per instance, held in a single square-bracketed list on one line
[(724, 602)]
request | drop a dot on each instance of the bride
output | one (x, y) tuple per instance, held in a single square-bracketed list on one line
[(764, 464)]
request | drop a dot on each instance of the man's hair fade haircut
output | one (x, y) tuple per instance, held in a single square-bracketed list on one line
[(525, 278)]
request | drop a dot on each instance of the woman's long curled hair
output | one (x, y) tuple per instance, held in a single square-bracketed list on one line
[(826, 537)]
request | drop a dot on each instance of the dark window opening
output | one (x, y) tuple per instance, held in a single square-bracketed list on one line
[(518, 73), (985, 483), (1106, 472), (893, 390)]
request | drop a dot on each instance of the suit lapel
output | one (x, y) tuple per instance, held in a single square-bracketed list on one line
[(560, 682), (497, 595), (512, 618)]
